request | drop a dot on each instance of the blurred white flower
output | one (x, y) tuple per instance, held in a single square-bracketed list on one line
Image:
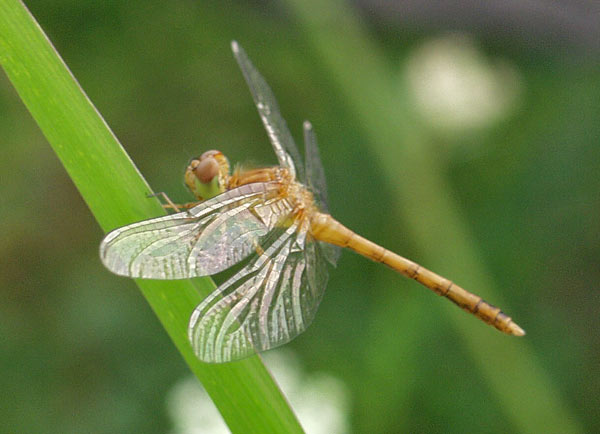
[(457, 87), (319, 400), (192, 411)]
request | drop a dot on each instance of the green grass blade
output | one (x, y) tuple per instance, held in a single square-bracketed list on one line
[(530, 399), (115, 192)]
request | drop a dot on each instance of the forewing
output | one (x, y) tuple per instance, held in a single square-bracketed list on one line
[(266, 304), (279, 134), (208, 238), (315, 179)]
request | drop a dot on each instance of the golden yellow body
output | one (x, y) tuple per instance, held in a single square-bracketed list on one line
[(324, 227)]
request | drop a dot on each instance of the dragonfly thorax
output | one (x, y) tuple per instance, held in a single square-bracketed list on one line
[(299, 199)]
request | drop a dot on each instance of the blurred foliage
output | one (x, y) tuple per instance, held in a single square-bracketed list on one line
[(245, 392), (82, 352)]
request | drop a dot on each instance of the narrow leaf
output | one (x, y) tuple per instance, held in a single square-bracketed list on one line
[(244, 392)]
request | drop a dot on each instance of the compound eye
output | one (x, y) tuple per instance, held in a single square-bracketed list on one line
[(206, 169)]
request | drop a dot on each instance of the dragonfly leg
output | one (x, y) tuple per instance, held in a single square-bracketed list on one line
[(169, 203)]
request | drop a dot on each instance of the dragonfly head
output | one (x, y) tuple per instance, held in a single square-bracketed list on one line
[(207, 175)]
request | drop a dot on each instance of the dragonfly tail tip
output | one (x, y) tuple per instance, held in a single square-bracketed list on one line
[(515, 330)]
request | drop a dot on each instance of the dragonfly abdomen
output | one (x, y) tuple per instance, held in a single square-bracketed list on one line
[(326, 228), (466, 300)]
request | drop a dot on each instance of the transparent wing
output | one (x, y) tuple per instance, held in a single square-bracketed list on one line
[(315, 179), (266, 304), (279, 134), (208, 238), (315, 174)]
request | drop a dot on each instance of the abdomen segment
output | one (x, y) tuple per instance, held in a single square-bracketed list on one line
[(326, 228)]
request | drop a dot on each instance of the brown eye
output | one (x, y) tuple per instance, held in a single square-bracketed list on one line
[(206, 169)]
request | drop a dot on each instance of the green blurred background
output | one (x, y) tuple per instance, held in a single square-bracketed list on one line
[(508, 98)]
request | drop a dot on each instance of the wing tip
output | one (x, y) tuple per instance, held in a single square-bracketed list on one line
[(235, 47), (105, 245)]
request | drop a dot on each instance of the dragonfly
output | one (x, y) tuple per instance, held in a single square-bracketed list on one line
[(277, 220)]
